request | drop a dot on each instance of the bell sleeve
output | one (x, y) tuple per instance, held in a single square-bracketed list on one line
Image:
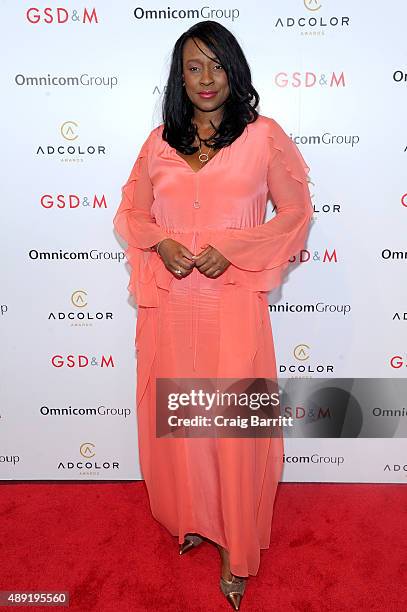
[(259, 255), (134, 223)]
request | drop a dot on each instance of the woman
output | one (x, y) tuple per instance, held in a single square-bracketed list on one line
[(202, 261)]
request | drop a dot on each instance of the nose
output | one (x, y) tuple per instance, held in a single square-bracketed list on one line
[(206, 76)]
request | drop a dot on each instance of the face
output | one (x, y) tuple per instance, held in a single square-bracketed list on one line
[(202, 74)]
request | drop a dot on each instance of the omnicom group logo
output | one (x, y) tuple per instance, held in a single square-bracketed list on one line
[(83, 79), (169, 13)]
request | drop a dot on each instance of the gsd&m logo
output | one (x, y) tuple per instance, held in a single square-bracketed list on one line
[(309, 80), (71, 201), (82, 361), (60, 15), (324, 256)]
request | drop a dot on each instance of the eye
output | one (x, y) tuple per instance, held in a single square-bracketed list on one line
[(219, 66), (193, 68)]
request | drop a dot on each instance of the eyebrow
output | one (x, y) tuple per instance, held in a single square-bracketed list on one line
[(196, 59)]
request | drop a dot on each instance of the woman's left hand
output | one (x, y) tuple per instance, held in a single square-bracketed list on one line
[(210, 262)]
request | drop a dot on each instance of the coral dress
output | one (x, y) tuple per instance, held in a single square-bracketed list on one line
[(192, 327)]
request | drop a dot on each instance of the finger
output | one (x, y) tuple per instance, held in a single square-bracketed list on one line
[(202, 258), (212, 274), (179, 266), (208, 267), (179, 272), (186, 252), (203, 267), (185, 263), (203, 253)]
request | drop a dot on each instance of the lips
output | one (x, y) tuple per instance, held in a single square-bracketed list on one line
[(207, 94)]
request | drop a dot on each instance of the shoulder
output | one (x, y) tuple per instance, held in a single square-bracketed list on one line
[(268, 126), (154, 140), (150, 141), (156, 132)]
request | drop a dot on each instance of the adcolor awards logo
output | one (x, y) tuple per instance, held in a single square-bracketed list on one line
[(313, 21), (396, 468), (88, 465), (326, 208), (400, 316), (80, 315), (303, 364), (71, 151)]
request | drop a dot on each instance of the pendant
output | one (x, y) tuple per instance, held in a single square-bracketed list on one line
[(203, 157)]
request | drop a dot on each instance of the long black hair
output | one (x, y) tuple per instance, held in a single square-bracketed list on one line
[(238, 110)]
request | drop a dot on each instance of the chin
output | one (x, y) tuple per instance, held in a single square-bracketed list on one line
[(207, 105)]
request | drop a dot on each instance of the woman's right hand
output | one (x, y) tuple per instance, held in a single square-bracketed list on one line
[(176, 257)]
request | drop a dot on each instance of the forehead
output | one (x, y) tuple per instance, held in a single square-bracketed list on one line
[(191, 51)]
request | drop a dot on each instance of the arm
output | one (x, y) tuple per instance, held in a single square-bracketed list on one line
[(270, 245), (134, 223), (133, 220)]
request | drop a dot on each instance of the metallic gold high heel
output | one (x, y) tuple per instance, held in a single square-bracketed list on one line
[(233, 590), (191, 541)]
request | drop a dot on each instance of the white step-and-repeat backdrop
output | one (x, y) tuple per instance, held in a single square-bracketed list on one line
[(81, 89)]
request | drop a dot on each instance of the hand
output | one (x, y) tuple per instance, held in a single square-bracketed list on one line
[(210, 262), (176, 257)]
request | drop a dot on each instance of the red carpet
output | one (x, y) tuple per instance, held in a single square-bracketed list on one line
[(339, 547)]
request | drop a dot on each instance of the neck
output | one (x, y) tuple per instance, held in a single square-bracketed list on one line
[(205, 120)]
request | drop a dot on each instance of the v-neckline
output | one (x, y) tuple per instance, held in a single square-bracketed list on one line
[(208, 163), (200, 169)]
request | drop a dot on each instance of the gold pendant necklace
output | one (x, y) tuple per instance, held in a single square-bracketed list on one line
[(203, 157)]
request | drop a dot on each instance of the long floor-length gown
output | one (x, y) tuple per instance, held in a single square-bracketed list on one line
[(195, 327)]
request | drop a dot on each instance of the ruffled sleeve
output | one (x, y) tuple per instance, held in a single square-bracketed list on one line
[(134, 223), (259, 255)]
